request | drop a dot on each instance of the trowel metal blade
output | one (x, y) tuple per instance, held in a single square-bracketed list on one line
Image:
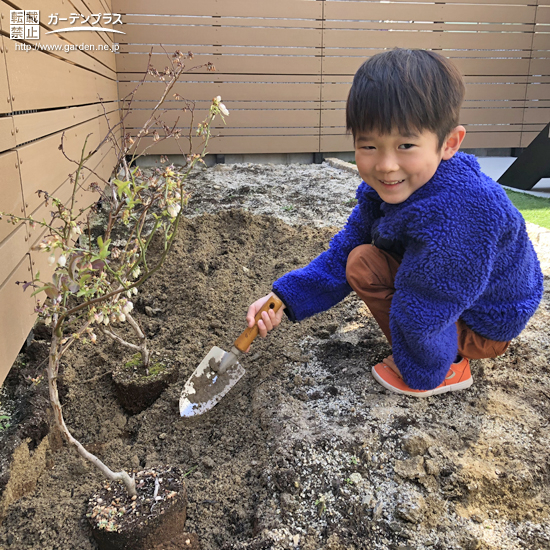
[(206, 387)]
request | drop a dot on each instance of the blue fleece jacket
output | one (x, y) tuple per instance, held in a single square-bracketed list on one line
[(467, 255)]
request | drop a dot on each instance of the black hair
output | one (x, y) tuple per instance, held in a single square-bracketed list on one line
[(407, 90)]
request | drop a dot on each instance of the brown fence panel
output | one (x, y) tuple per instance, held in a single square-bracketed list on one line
[(252, 43), (264, 52), (268, 67), (31, 71), (537, 104), (490, 44), (97, 60), (282, 68), (17, 316), (44, 94)]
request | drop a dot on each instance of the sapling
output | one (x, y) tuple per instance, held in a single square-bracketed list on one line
[(95, 280)]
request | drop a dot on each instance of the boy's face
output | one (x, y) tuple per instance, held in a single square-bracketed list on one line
[(395, 165)]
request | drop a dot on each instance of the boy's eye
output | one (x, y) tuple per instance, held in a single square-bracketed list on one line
[(406, 146)]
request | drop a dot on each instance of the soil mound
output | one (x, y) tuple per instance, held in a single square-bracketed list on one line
[(307, 451)]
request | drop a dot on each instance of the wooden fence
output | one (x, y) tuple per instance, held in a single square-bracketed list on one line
[(284, 68), (42, 95)]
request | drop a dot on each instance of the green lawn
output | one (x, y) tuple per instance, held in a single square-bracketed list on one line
[(534, 209)]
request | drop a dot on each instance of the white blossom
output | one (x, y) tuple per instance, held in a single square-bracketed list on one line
[(62, 260), (173, 210), (121, 317), (75, 231), (223, 109), (51, 260)]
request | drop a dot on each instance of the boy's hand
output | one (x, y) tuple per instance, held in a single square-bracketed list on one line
[(269, 319)]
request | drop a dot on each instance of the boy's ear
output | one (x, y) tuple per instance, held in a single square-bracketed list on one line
[(453, 142)]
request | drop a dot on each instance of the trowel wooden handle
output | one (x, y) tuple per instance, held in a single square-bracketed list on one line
[(247, 337)]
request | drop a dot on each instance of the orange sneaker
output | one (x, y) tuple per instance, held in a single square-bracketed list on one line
[(459, 377)]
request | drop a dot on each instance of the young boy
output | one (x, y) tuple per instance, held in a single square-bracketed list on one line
[(434, 247)]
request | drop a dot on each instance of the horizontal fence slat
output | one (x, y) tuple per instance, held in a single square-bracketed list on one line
[(427, 12), (214, 77), (527, 138), (539, 66), (334, 143), (536, 115), (491, 139), (32, 71), (541, 41), (7, 133), (176, 34), (484, 104), (234, 64), (223, 132), (236, 119), (450, 53), (491, 2), (332, 91), (247, 145), (203, 50), (237, 104), (467, 116), (543, 14), (424, 26), (427, 40), (231, 91), (470, 129), (12, 251), (266, 132), (538, 91), (33, 126), (349, 65), (298, 9), (11, 198), (229, 21), (15, 327)]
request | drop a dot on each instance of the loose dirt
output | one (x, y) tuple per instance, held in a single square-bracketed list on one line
[(307, 451)]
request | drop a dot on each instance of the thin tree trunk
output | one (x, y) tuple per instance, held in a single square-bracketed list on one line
[(53, 368)]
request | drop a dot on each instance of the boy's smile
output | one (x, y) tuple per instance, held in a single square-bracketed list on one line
[(396, 165)]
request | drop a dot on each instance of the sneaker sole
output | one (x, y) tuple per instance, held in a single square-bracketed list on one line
[(436, 391)]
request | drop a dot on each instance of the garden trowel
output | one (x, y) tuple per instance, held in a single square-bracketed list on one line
[(219, 371)]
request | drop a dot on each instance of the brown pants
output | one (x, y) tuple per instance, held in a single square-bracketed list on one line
[(371, 273)]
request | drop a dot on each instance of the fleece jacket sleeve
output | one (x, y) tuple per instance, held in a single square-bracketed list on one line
[(322, 283)]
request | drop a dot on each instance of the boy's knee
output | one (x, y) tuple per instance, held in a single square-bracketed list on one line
[(359, 260), (368, 266)]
